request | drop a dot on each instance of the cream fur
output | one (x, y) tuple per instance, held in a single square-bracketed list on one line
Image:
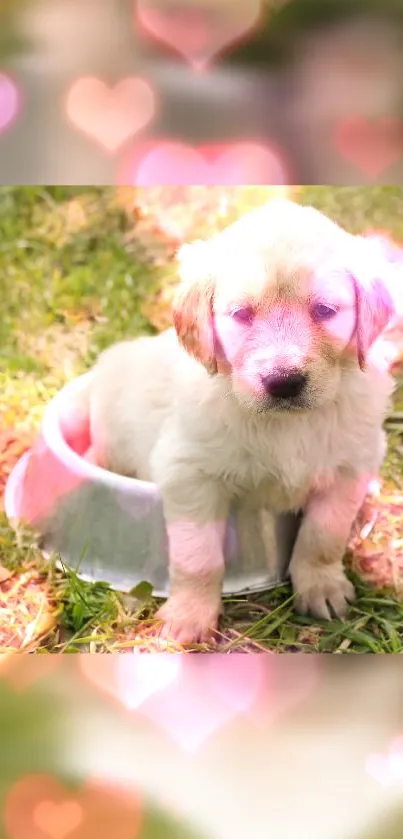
[(194, 418)]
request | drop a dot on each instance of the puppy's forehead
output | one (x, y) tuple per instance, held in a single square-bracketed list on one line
[(280, 252)]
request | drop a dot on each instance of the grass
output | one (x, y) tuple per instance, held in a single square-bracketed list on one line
[(83, 267)]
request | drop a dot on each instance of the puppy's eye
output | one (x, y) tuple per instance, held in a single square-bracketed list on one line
[(322, 312), (245, 315)]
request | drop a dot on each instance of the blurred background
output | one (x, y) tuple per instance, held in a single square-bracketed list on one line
[(283, 746), (315, 84)]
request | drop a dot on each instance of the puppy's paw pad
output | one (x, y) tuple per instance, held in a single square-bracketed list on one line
[(190, 623), (325, 595)]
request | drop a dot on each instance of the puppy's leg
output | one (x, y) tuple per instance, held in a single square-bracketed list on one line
[(195, 512), (316, 566)]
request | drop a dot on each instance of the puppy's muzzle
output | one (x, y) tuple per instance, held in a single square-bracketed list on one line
[(284, 384)]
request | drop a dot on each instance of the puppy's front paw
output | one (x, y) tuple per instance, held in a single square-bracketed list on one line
[(188, 619), (322, 591)]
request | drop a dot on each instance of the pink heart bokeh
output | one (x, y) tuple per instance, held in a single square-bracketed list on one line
[(171, 163), (9, 102), (201, 31), (110, 115), (192, 697), (370, 146), (189, 698), (213, 690), (40, 807)]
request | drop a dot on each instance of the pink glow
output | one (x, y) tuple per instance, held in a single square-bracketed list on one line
[(199, 33)]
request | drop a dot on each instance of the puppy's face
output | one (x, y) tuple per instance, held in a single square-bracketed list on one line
[(281, 302)]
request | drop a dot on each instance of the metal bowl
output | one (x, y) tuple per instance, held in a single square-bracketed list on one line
[(111, 528)]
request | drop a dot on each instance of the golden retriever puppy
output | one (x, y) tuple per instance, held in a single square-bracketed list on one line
[(269, 387)]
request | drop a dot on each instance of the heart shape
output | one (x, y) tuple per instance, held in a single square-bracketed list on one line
[(131, 679), (188, 698), (38, 806), (169, 163), (371, 146), (110, 115), (198, 32), (9, 102), (192, 697), (57, 820), (212, 691)]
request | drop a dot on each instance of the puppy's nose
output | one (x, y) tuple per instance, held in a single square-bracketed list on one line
[(284, 385)]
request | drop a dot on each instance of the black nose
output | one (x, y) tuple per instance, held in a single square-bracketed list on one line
[(284, 385)]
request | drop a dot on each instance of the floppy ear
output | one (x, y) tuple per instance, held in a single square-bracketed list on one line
[(193, 304), (374, 303)]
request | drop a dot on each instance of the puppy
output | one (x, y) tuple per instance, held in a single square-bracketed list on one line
[(267, 388)]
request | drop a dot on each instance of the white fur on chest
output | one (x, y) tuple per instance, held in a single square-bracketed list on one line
[(278, 464)]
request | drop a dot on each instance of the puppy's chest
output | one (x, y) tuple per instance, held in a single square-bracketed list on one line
[(279, 469)]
